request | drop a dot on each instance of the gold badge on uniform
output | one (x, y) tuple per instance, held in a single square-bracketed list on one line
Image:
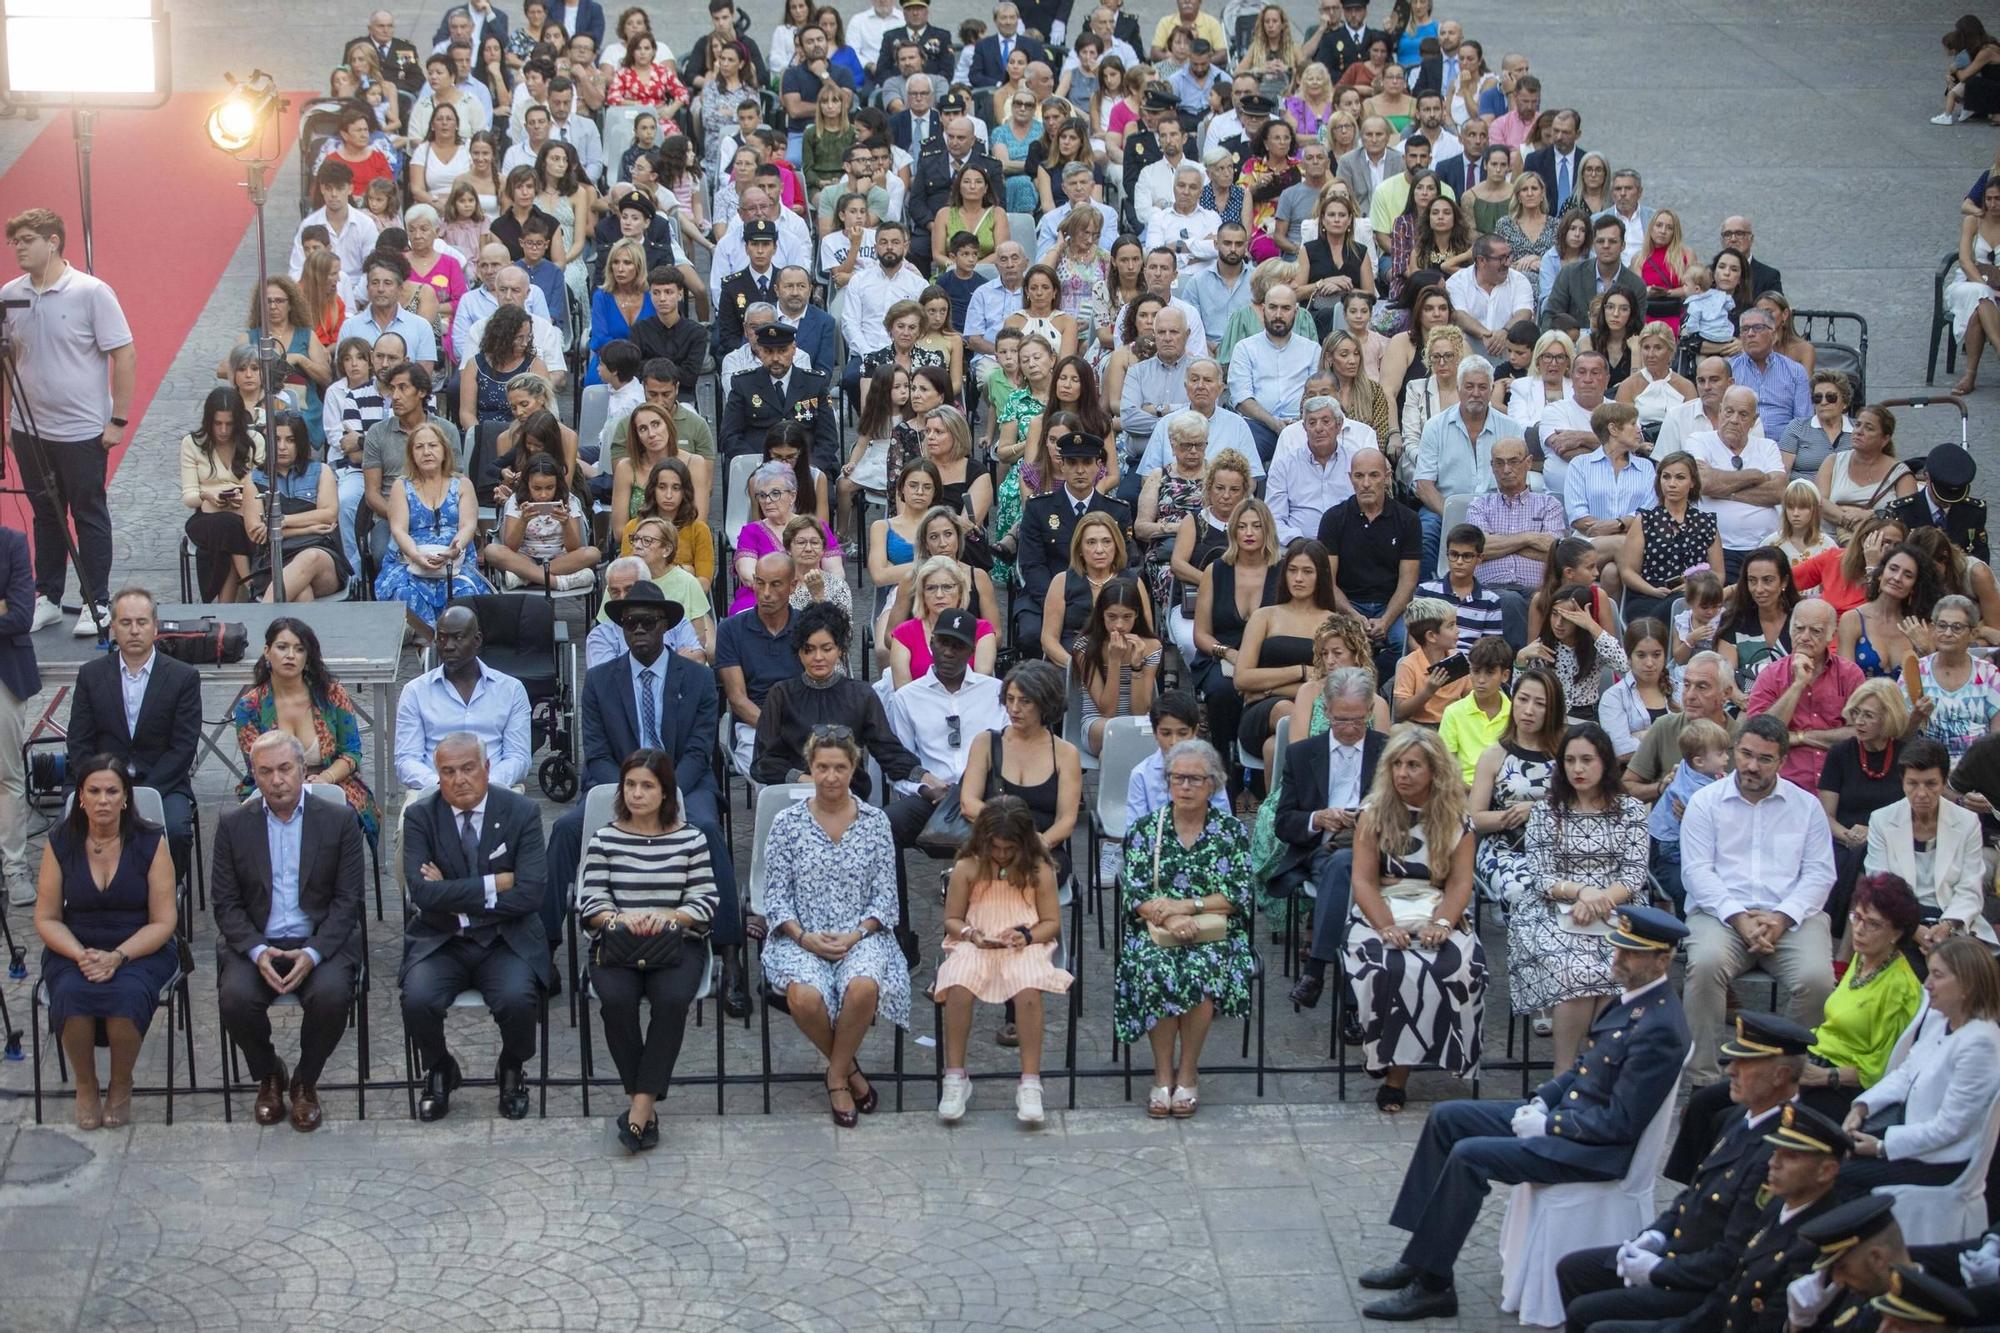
[(756, 400)]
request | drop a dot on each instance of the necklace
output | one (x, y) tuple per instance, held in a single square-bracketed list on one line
[(1888, 759), (1856, 978), (99, 847)]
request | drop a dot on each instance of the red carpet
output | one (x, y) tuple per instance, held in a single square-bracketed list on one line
[(168, 212)]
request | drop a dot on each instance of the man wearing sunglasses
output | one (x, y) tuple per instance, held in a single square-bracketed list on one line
[(936, 716)]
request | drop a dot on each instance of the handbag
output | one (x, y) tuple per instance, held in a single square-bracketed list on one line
[(620, 946), (948, 828), (1412, 907), (1209, 927), (205, 641)]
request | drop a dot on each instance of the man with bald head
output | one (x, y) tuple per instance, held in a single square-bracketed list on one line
[(753, 650), (1743, 478), (483, 298), (1808, 692), (1701, 412), (1268, 371), (512, 286), (931, 189), (1376, 548), (400, 60), (1737, 234)]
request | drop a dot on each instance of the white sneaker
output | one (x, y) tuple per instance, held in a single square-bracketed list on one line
[(47, 613), (1110, 860), (575, 579), (87, 622), (1950, 117), (1028, 1104), (957, 1092)]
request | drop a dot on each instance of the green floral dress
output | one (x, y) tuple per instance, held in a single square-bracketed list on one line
[(1155, 983), (1024, 407), (1265, 849)]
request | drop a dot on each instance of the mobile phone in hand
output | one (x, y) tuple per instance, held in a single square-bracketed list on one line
[(1456, 667)]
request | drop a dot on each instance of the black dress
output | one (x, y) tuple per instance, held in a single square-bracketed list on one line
[(104, 919), (1223, 704), (1042, 799), (1279, 650), (1861, 784)]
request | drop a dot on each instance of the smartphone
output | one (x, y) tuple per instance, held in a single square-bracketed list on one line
[(1456, 667)]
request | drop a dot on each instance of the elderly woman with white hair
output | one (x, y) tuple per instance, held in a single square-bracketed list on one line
[(1169, 495), (1184, 948), (774, 491)]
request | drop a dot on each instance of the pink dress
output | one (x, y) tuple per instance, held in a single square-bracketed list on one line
[(755, 539), (1657, 272), (997, 975)]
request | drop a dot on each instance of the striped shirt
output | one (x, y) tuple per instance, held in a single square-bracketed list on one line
[(630, 872), (1478, 614)]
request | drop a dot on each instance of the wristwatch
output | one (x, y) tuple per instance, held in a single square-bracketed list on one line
[(1440, 921)]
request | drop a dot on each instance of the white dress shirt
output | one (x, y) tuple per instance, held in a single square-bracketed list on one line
[(472, 309), (581, 133), (1686, 420), (869, 296), (921, 714), (132, 684), (1495, 309), (795, 246), (1226, 430), (1169, 228), (1774, 855), (1301, 489), (1743, 526), (1155, 189), (353, 243), (431, 707), (548, 344), (1343, 775)]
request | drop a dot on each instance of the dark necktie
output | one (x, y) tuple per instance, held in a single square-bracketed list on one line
[(1080, 506), (649, 711), (468, 838), (763, 286), (778, 388)]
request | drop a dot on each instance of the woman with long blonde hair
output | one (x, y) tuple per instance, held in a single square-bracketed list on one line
[(1274, 54)]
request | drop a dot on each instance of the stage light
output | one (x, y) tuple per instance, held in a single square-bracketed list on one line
[(95, 53), (238, 120)]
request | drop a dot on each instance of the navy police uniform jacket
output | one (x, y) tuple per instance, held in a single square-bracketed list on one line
[(1629, 1064), (1710, 1222)]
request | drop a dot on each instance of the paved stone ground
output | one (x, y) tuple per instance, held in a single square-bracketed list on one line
[(1809, 117)]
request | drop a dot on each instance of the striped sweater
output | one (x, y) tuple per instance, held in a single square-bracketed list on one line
[(629, 872)]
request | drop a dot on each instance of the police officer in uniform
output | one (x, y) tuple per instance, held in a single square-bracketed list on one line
[(747, 286), (1917, 1302), (1253, 113), (759, 399), (934, 42), (1945, 500), (1342, 44), (1582, 1125), (1693, 1246), (1860, 1249), (1047, 524)]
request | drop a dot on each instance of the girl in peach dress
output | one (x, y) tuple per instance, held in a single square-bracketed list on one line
[(1001, 921)]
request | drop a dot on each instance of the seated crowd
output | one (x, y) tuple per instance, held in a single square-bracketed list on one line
[(1327, 410)]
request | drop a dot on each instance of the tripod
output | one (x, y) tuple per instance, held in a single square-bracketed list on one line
[(12, 390), (17, 969)]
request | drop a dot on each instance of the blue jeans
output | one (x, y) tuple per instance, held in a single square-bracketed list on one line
[(1394, 641), (1665, 863), (1266, 440), (1432, 523), (352, 484)]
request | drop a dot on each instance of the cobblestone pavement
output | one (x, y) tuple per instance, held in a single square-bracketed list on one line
[(1245, 1218), (1807, 116)]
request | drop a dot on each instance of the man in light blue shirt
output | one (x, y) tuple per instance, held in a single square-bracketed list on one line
[(384, 312), (1268, 372), (1783, 388), (1154, 390), (1222, 288), (1175, 714), (1193, 83), (994, 301), (462, 694), (1225, 429), (1078, 179), (1455, 452), (1604, 490)]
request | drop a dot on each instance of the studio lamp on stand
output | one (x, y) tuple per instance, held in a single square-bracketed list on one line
[(245, 125)]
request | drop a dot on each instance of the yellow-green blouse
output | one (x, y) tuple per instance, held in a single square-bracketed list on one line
[(1861, 1025)]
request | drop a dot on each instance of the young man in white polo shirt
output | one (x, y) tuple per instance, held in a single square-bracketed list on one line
[(65, 337)]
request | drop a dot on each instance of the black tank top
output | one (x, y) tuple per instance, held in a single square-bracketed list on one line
[(1223, 619), (1042, 798)]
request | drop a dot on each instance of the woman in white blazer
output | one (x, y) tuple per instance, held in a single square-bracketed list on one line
[(1950, 879), (1947, 1083)]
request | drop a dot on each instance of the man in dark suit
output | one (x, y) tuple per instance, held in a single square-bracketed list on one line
[(582, 18), (919, 122), (939, 51), (1465, 170), (1693, 1246), (1316, 814), (1945, 500), (989, 56), (484, 21), (20, 681), (1581, 1125), (758, 399), (814, 331), (1342, 44), (476, 874), (286, 880), (1048, 522), (930, 186), (1738, 235), (144, 707), (651, 698), (1560, 165), (401, 62), (1604, 268)]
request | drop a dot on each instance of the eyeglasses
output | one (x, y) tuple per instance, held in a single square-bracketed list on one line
[(1188, 779), (1951, 626), (645, 540), (1826, 398), (772, 492), (1735, 231), (1553, 358)]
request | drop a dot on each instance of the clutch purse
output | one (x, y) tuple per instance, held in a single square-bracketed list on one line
[(1210, 927), (618, 946)]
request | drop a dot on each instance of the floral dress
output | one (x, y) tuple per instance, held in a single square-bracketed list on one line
[(1153, 983), (423, 595), (1548, 964), (1265, 849), (1503, 868), (337, 735), (1508, 230), (1417, 1006), (1081, 288), (1179, 497), (833, 886), (1024, 407)]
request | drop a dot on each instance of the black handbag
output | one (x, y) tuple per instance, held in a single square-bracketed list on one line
[(206, 641), (619, 946)]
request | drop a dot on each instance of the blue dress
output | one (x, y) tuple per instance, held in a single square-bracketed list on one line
[(428, 527), (607, 321), (105, 919)]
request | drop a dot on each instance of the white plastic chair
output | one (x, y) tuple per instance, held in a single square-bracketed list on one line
[(596, 409), (1546, 1222), (1455, 507), (1127, 742)]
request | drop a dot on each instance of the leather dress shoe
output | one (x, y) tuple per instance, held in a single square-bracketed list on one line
[(1307, 990), (305, 1107), (513, 1092), (649, 1137), (1350, 1030), (271, 1096), (1389, 1277), (1415, 1301), (439, 1084), (628, 1138), (735, 991)]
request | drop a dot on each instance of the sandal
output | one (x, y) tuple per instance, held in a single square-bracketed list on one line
[(89, 1110), (1390, 1101), (1184, 1102), (867, 1101), (1159, 1104), (844, 1119)]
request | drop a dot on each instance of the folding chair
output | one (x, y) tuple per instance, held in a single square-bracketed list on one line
[(1127, 742), (357, 1003)]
